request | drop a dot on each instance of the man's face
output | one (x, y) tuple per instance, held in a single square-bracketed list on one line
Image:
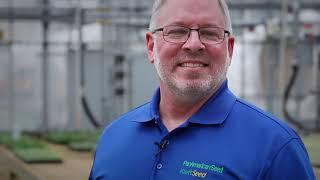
[(190, 68)]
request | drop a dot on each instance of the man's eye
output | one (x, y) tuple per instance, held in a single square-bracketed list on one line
[(210, 34), (177, 31)]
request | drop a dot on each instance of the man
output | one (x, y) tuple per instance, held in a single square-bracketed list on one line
[(194, 127)]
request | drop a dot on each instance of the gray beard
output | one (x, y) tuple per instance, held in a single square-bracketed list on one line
[(193, 92)]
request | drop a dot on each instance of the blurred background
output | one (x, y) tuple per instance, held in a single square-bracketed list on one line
[(70, 67)]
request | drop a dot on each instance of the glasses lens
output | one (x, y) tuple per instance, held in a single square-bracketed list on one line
[(211, 35), (179, 34), (175, 33)]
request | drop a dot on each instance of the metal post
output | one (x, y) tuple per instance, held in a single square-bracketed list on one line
[(316, 77), (134, 5), (130, 84), (296, 59), (15, 129), (318, 91), (106, 33), (271, 90), (283, 46), (79, 76), (45, 67), (243, 66)]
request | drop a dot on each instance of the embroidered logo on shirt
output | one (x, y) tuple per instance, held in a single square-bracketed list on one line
[(201, 171)]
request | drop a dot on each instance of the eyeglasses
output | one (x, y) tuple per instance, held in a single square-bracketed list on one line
[(180, 34)]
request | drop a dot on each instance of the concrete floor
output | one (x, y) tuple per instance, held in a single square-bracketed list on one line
[(317, 172), (75, 166)]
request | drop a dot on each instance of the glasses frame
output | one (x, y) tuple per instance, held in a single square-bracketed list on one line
[(225, 34)]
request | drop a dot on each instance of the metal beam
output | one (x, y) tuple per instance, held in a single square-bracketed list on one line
[(68, 14), (269, 5), (36, 13)]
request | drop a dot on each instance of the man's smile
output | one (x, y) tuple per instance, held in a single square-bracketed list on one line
[(193, 64)]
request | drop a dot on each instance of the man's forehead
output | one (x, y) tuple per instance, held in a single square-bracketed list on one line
[(208, 11), (175, 6), (190, 3)]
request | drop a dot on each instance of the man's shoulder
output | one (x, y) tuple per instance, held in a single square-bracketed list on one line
[(282, 147), (126, 122), (259, 118), (140, 113)]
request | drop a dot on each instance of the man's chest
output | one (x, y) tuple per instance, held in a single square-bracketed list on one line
[(181, 157)]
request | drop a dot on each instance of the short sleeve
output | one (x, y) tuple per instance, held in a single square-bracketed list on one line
[(291, 162)]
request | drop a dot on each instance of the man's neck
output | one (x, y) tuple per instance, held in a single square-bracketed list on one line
[(174, 110)]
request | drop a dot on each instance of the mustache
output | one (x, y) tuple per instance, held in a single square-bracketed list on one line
[(187, 56), (191, 54)]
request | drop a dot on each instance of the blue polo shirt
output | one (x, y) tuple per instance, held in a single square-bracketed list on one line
[(226, 139)]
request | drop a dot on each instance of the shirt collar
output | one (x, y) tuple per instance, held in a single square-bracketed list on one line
[(214, 111), (152, 109)]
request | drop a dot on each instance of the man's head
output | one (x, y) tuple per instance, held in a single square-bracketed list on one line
[(194, 64), (159, 3)]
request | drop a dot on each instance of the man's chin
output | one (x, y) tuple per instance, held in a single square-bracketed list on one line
[(193, 85), (194, 90), (197, 88)]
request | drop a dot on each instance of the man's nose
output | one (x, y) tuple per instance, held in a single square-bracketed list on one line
[(193, 44)]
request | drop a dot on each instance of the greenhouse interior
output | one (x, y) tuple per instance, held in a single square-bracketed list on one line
[(68, 68)]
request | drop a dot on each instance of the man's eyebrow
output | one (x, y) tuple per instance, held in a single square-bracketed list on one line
[(211, 25), (178, 23), (181, 23)]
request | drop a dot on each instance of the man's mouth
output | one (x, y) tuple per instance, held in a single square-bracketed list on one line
[(192, 65)]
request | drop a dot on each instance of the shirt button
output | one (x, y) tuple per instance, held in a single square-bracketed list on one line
[(167, 142), (159, 166)]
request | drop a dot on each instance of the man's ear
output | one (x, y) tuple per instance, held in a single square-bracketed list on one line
[(231, 41), (150, 46)]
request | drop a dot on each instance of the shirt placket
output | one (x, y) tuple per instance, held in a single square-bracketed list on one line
[(161, 146), (160, 154)]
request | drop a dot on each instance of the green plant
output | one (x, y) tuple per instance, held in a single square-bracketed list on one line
[(71, 137), (312, 143), (37, 155), (29, 149), (82, 146)]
